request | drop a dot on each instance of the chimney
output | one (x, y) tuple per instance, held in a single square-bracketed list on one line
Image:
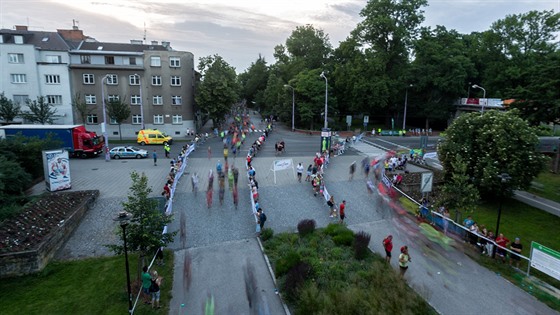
[(21, 27), (136, 41), (154, 42), (165, 44), (72, 35)]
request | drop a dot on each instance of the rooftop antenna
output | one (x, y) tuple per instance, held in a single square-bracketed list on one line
[(144, 39), (75, 24)]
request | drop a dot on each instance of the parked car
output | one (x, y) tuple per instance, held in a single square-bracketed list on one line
[(127, 152)]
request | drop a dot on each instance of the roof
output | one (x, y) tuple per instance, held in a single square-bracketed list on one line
[(124, 47), (39, 126), (40, 39)]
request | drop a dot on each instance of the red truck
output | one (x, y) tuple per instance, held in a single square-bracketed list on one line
[(75, 138)]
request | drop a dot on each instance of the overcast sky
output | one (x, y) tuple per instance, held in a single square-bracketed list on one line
[(237, 30)]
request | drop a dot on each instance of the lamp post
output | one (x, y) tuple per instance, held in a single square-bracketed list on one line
[(141, 100), (123, 218), (483, 95), (405, 105), (504, 177), (293, 103), (104, 125), (322, 75)]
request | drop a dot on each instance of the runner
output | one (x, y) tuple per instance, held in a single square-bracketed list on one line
[(209, 191), (194, 180)]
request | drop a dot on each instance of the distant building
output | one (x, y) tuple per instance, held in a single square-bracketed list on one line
[(156, 81)]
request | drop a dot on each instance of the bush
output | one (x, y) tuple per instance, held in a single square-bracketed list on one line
[(361, 242), (267, 234), (306, 227), (295, 279), (345, 237), (285, 263), (334, 229)]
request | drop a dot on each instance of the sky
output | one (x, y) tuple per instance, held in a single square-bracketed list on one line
[(237, 30)]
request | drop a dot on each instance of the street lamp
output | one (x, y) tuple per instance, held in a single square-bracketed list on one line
[(326, 96), (104, 125), (293, 103), (504, 177), (405, 105), (483, 95), (141, 99), (123, 218)]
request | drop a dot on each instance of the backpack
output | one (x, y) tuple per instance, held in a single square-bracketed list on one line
[(263, 218), (154, 287)]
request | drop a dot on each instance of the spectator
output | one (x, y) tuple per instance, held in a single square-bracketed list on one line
[(299, 172), (155, 288), (352, 169), (404, 259), (388, 246), (309, 170), (146, 283), (331, 205), (502, 242), (516, 247), (342, 211)]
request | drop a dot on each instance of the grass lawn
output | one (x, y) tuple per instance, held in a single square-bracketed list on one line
[(319, 274), (547, 185), (88, 286)]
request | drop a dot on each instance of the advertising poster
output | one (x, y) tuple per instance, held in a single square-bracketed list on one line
[(57, 170)]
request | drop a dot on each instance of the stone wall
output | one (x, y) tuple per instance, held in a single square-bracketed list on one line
[(31, 261)]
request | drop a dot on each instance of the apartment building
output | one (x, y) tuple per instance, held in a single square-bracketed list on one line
[(156, 81), (33, 64)]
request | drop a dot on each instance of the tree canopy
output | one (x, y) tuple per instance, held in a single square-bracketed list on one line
[(40, 111), (118, 111), (8, 109)]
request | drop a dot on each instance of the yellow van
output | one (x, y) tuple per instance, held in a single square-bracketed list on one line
[(153, 136)]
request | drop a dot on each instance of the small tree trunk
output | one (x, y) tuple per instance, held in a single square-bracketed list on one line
[(120, 134)]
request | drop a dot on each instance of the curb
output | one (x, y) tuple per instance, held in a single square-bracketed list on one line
[(271, 272)]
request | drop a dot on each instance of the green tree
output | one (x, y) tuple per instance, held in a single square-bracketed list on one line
[(308, 47), (459, 192), (218, 89), (26, 151), (118, 111), (253, 81), (8, 109), (143, 234), (489, 145), (40, 111), (310, 89), (81, 107)]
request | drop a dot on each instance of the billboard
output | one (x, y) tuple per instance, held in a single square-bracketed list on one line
[(57, 170), (545, 259)]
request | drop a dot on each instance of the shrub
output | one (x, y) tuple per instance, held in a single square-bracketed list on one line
[(284, 264), (306, 227), (361, 242), (267, 234), (295, 279), (345, 237)]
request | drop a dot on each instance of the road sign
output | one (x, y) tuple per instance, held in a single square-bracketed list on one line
[(426, 184), (348, 120), (545, 259), (366, 119)]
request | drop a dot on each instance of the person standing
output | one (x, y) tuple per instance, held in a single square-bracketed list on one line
[(404, 259), (331, 205), (210, 189), (352, 170), (299, 172), (516, 247), (342, 211), (502, 242), (167, 149), (195, 181), (388, 246), (261, 217), (154, 155), (209, 152), (309, 168), (146, 284), (155, 283)]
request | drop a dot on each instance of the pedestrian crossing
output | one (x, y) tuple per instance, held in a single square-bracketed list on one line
[(367, 149)]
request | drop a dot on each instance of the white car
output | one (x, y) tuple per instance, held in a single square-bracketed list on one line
[(127, 152)]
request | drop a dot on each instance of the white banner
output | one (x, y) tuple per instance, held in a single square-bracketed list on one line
[(280, 165), (57, 170)]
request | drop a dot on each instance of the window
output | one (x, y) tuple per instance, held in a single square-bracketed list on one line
[(54, 99), (157, 100), (174, 62), (15, 58), (132, 61), (113, 98), (91, 119), (158, 119), (175, 80), (53, 59), (177, 119), (109, 60), (156, 80), (176, 100), (134, 79), (135, 100), (155, 61), (91, 99), (112, 121), (89, 78), (18, 39), (19, 78), (52, 79), (136, 119), (85, 59), (20, 99), (112, 79)]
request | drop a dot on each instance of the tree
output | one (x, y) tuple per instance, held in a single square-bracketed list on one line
[(459, 192), (119, 111), (8, 109), (81, 107), (144, 232), (218, 89), (40, 111), (489, 145), (308, 47)]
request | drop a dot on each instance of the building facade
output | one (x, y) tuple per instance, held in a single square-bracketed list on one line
[(156, 81)]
